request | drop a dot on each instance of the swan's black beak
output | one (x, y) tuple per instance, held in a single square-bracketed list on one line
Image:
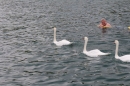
[(114, 42), (83, 38), (52, 27)]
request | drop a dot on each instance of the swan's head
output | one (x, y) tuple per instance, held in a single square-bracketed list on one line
[(86, 38), (54, 28), (116, 42)]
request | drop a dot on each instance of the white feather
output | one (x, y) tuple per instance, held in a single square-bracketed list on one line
[(125, 58), (62, 42), (92, 53)]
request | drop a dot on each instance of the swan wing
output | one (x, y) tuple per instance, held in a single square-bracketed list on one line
[(65, 42), (125, 58), (97, 52)]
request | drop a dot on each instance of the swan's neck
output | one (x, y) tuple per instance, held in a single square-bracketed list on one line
[(54, 36), (85, 45), (116, 51)]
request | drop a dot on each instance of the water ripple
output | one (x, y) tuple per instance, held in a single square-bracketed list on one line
[(29, 58)]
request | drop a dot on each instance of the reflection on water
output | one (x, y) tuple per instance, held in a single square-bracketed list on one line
[(104, 30), (29, 58)]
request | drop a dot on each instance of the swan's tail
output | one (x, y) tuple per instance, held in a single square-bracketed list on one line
[(71, 42), (107, 53)]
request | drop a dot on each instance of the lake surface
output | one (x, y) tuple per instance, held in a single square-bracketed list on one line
[(29, 58)]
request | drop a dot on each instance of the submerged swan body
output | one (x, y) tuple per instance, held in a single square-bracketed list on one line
[(62, 42), (125, 58), (92, 53)]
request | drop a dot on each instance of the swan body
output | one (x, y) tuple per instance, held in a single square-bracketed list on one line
[(62, 42), (125, 58), (92, 53)]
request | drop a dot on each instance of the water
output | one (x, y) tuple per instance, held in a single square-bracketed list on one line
[(29, 58)]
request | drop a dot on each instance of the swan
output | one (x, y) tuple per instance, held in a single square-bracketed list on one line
[(125, 58), (62, 42), (104, 24), (92, 53)]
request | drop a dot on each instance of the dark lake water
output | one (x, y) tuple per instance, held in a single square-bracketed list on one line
[(29, 58)]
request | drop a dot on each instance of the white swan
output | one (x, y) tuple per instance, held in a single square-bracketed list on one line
[(62, 42), (125, 58), (92, 53)]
